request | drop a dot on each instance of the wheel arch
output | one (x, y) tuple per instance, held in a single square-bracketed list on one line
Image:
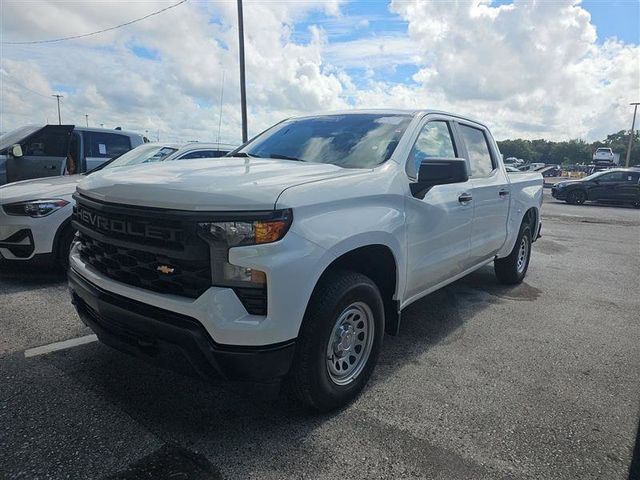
[(378, 262)]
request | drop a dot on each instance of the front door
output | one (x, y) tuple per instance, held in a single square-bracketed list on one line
[(438, 226), (490, 192), (44, 154)]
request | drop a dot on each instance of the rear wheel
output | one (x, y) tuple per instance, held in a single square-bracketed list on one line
[(512, 269), (576, 197), (339, 341)]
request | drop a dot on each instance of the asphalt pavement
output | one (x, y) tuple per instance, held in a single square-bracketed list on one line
[(537, 381)]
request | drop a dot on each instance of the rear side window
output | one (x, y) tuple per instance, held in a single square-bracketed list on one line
[(613, 177), (433, 141), (203, 154), (480, 161), (105, 145), (47, 143)]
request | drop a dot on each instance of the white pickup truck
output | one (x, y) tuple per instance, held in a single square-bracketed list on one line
[(286, 262)]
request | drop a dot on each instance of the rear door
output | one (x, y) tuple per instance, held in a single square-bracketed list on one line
[(98, 147), (629, 189), (438, 225), (490, 191), (44, 154), (608, 186)]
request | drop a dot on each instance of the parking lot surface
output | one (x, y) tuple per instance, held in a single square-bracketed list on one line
[(541, 380)]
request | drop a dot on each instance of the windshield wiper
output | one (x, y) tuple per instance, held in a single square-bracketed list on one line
[(285, 157)]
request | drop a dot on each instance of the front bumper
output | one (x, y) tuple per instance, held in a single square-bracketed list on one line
[(559, 194), (173, 340)]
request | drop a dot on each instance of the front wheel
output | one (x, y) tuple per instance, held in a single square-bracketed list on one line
[(576, 197), (339, 341), (64, 246), (511, 270)]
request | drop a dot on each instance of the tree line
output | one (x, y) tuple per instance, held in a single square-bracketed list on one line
[(571, 151)]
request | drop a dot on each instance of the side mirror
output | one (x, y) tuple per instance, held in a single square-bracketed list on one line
[(16, 150), (439, 171)]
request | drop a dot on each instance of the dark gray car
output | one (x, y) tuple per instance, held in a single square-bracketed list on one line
[(34, 151)]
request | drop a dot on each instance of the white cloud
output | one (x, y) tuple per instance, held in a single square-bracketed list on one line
[(528, 69)]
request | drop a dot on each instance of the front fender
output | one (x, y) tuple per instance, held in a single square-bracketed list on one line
[(316, 239)]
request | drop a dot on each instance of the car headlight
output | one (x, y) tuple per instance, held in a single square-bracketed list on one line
[(223, 235), (35, 208)]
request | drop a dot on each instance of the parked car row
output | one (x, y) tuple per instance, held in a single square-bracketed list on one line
[(35, 215)]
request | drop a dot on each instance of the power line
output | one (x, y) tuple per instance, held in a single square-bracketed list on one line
[(74, 37)]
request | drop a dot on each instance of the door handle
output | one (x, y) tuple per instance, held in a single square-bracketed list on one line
[(50, 167), (465, 198), (504, 193)]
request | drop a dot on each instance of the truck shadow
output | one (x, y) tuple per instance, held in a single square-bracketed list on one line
[(21, 276), (220, 420)]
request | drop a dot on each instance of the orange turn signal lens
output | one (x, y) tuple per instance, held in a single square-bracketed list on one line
[(267, 232)]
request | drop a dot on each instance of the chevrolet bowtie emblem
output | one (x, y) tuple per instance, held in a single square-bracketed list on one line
[(166, 269)]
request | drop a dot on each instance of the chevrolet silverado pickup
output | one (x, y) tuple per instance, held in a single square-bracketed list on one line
[(285, 263)]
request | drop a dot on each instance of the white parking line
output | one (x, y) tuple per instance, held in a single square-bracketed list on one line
[(54, 347)]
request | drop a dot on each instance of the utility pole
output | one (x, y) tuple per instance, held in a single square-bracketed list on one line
[(58, 97), (243, 89), (220, 117), (632, 133), (86, 117)]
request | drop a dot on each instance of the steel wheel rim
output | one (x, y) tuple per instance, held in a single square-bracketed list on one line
[(523, 252), (350, 343)]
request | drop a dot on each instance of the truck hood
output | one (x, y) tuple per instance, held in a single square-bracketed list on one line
[(207, 184), (39, 188)]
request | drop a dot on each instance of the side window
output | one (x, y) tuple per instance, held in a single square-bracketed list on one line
[(613, 177), (480, 161), (47, 143), (434, 140), (105, 145)]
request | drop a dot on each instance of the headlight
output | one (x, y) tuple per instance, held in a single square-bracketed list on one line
[(34, 208), (223, 235)]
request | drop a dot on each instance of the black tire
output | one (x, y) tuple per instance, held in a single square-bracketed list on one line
[(63, 245), (576, 197), (509, 270), (310, 381), (636, 204)]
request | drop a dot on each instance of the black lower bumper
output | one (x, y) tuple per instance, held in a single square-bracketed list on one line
[(173, 340)]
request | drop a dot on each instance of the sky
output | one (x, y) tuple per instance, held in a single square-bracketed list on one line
[(554, 69)]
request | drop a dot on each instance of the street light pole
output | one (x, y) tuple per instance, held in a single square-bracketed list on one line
[(58, 97), (633, 126), (243, 90)]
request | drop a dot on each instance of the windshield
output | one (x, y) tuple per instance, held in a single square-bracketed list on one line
[(351, 140), (14, 136), (142, 154)]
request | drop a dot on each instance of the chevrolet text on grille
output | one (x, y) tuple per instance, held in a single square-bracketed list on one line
[(139, 229)]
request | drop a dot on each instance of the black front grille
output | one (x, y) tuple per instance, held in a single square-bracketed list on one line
[(158, 250), (159, 273)]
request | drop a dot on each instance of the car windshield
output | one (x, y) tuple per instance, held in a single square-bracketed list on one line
[(350, 140), (14, 136), (142, 154)]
